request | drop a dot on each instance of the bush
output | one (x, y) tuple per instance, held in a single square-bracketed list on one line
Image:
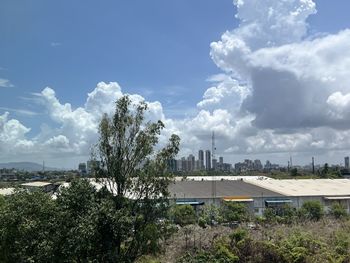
[(183, 215), (338, 211), (312, 210), (231, 212), (210, 213)]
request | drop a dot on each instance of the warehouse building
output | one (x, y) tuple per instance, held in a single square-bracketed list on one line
[(260, 194), (296, 192), (198, 193)]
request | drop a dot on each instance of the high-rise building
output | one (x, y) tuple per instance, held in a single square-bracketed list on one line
[(191, 162), (201, 159), (207, 160), (221, 160), (346, 159), (184, 164)]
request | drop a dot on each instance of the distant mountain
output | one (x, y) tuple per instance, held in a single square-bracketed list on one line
[(26, 166)]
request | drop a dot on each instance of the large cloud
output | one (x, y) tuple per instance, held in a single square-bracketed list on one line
[(296, 90)]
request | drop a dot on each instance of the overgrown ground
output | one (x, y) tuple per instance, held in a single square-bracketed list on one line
[(327, 240)]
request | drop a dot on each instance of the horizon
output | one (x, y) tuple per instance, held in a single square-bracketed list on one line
[(269, 78)]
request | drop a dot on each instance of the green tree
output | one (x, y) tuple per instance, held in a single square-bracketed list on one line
[(312, 210), (232, 211), (28, 227), (183, 215), (135, 172), (210, 213)]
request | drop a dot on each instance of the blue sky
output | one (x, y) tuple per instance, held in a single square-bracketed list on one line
[(158, 49), (153, 48)]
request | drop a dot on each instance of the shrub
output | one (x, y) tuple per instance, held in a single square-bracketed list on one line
[(338, 211), (232, 211), (183, 215), (312, 210)]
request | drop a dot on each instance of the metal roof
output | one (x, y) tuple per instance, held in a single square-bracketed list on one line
[(306, 187), (7, 191), (220, 178), (36, 184), (337, 198), (203, 189)]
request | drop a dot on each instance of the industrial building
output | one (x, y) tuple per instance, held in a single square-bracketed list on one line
[(296, 192), (260, 193), (42, 186), (197, 193)]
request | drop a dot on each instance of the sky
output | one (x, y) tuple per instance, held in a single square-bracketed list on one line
[(270, 78)]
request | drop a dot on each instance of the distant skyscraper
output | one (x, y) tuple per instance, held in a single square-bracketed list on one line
[(184, 166), (221, 160), (346, 159), (201, 159), (191, 162), (207, 160)]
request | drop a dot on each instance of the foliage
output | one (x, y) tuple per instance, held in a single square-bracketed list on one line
[(209, 214), (130, 164), (312, 210), (86, 225), (338, 211), (294, 172), (234, 212), (285, 214), (183, 215), (27, 227)]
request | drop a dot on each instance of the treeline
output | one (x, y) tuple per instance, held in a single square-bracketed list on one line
[(81, 225), (232, 213)]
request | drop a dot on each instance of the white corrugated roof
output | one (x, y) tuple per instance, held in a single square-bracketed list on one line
[(36, 184), (7, 191), (220, 178), (306, 187)]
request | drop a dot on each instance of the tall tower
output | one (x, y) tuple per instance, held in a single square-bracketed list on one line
[(213, 148), (313, 165)]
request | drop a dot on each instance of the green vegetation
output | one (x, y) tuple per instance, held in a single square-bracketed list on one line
[(109, 225), (312, 210), (311, 242), (234, 212), (183, 215)]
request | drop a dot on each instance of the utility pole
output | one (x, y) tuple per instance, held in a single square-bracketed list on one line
[(313, 165)]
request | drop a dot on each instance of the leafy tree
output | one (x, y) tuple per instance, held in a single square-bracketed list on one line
[(210, 213), (28, 227), (312, 210), (232, 211), (135, 172), (183, 215)]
